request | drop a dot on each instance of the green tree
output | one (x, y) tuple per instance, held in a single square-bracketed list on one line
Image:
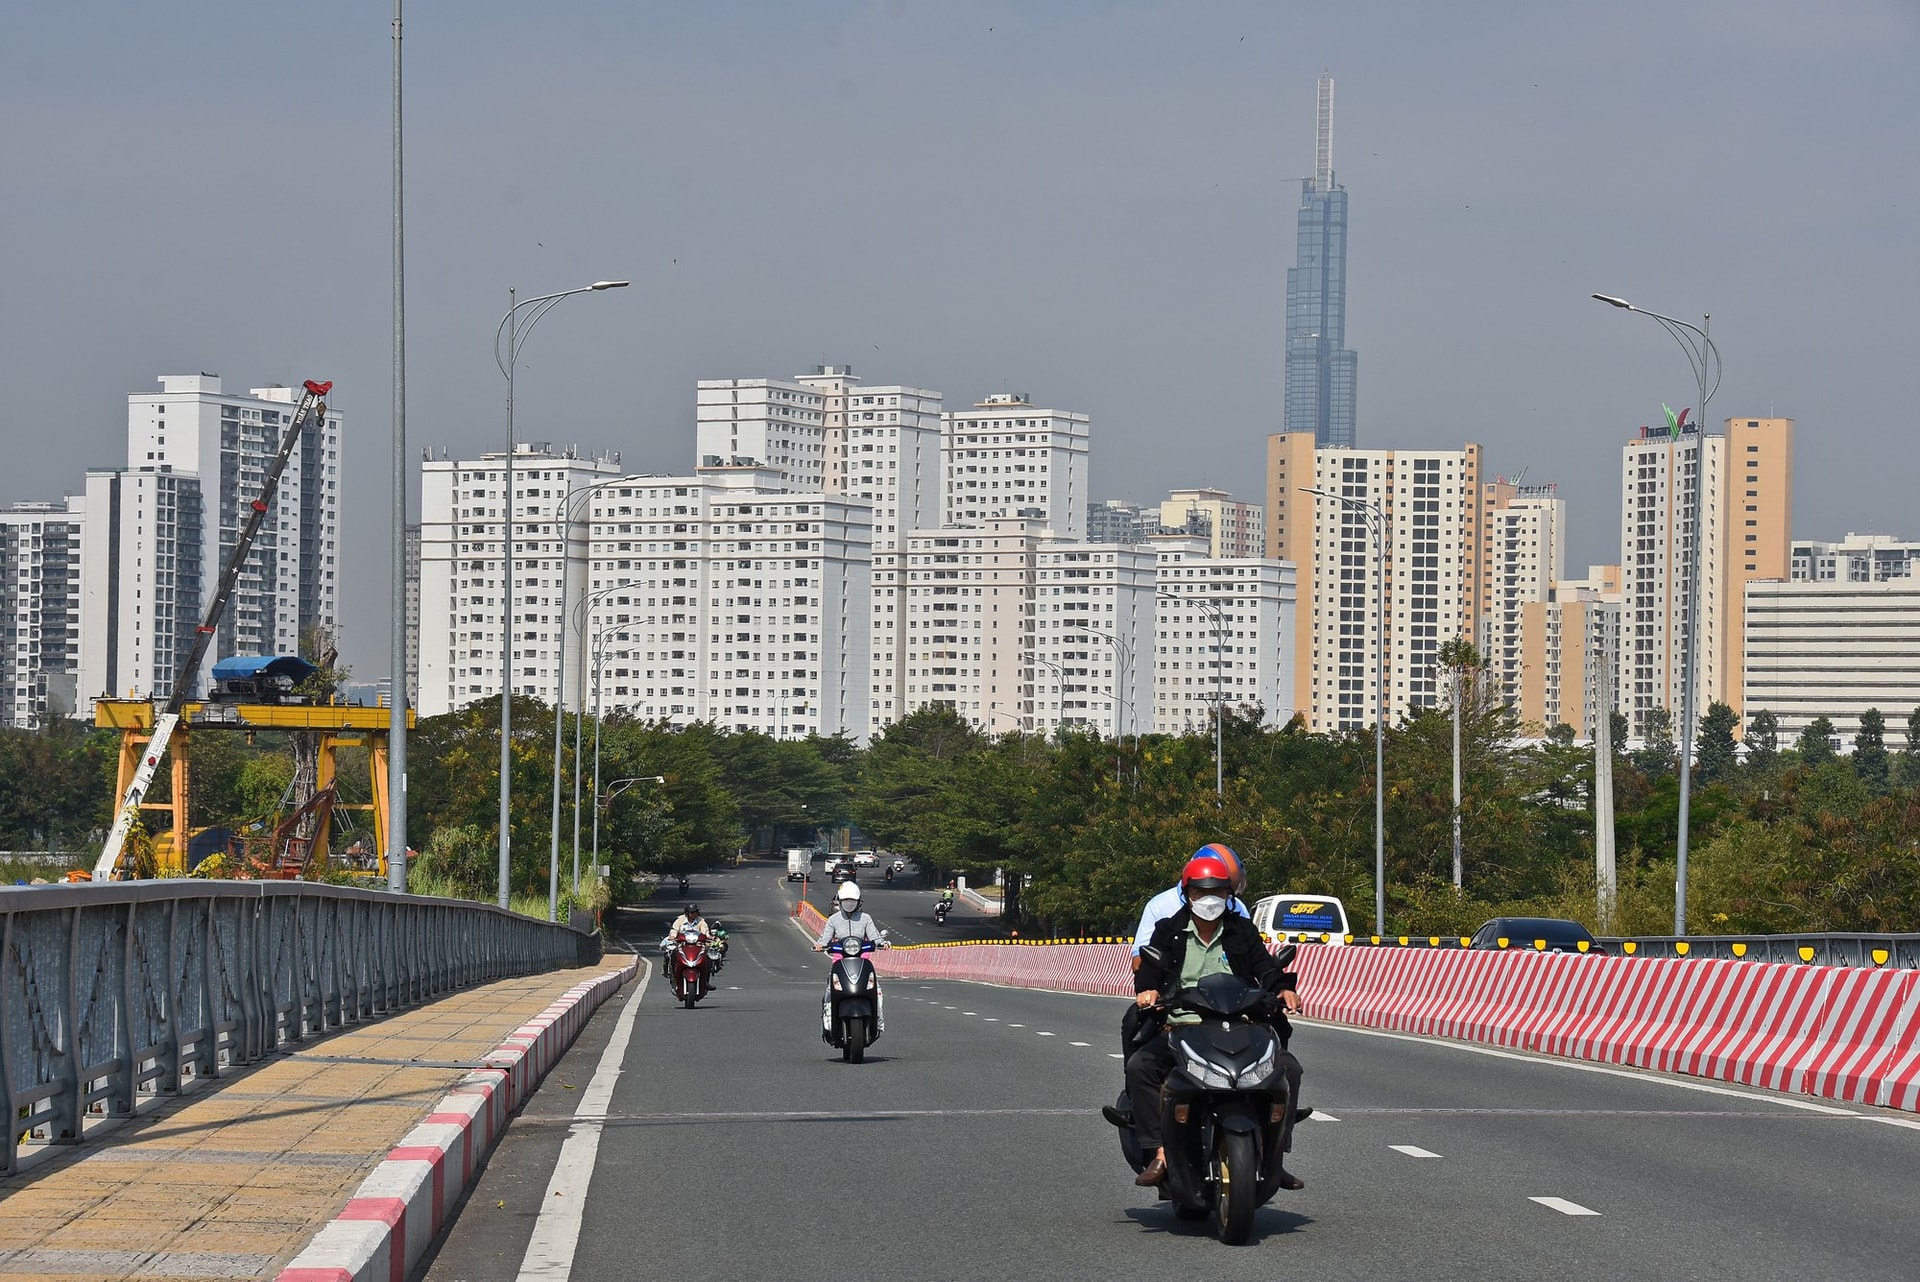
[(1909, 763), (1815, 744), (1763, 742), (1870, 751), (1655, 757), (1717, 756)]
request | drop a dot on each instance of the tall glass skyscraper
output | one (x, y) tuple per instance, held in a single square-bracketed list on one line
[(1322, 371)]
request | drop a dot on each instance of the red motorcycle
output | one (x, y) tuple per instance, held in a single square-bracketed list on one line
[(689, 965)]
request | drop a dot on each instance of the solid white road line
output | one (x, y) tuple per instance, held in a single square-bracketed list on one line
[(1563, 1206), (1412, 1150), (1578, 1066), (556, 1233)]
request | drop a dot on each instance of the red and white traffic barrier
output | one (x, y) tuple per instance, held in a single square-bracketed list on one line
[(1838, 1032), (391, 1219)]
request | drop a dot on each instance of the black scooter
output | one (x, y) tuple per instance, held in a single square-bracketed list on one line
[(940, 911), (1227, 1111), (851, 1017)]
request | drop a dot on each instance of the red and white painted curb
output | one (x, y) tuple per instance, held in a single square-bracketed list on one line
[(1835, 1032), (387, 1225)]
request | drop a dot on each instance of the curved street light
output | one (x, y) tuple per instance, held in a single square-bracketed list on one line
[(516, 333), (1376, 518), (1704, 358), (1219, 692)]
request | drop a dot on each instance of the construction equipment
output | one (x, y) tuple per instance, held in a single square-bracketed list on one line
[(312, 404)]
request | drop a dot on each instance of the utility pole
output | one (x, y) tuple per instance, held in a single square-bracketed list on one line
[(397, 655)]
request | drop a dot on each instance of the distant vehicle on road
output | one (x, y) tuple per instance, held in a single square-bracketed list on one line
[(833, 864), (799, 861), (1547, 934), (864, 857), (1302, 918), (899, 865)]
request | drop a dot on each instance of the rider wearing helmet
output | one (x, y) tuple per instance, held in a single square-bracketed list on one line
[(691, 917), (1202, 938), (849, 922), (1173, 898)]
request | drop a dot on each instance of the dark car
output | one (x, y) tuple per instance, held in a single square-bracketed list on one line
[(1547, 934)]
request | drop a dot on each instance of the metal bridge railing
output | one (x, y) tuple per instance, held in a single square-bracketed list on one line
[(112, 991)]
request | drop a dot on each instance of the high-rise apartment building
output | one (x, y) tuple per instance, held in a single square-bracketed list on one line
[(39, 610), (965, 602), (291, 582), (1233, 528), (1568, 648), (1748, 493), (1223, 632), (1526, 555), (1832, 649), (1006, 459), (882, 445), (1858, 558), (721, 596), (1434, 571), (463, 512), (1093, 637), (766, 422), (142, 579), (1322, 371)]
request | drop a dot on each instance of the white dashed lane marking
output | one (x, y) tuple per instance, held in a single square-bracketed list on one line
[(1563, 1206), (1411, 1150), (1077, 1043), (1318, 1116), (1043, 1034)]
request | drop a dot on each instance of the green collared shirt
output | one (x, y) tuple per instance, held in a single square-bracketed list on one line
[(1201, 960)]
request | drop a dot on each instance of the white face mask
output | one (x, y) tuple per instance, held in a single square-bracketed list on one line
[(1209, 907), (849, 906)]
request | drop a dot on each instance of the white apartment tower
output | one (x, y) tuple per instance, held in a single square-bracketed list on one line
[(1433, 571), (1005, 459), (142, 580), (39, 610), (291, 582), (883, 445), (1833, 649), (463, 507), (1858, 558), (964, 603), (1223, 633), (765, 422), (1656, 542), (1093, 638), (724, 597), (1526, 536)]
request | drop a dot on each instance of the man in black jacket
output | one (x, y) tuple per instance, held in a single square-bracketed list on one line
[(1201, 939)]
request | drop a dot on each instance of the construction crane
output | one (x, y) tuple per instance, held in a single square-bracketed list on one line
[(312, 404)]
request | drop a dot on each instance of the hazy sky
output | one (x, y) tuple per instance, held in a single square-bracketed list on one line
[(1090, 202)]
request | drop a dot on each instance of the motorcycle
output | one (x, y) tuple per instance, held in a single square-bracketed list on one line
[(851, 1016), (940, 911), (1227, 1109), (689, 965), (717, 949), (683, 885)]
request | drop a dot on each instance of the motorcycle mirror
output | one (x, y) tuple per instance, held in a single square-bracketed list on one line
[(1286, 954)]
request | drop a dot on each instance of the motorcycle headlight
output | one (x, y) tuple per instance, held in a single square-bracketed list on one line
[(1204, 1073), (1261, 1070)]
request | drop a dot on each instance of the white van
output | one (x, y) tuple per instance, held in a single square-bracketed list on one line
[(799, 859), (1302, 919)]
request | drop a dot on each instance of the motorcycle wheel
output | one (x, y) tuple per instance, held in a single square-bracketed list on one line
[(690, 999), (856, 1048), (1235, 1201)]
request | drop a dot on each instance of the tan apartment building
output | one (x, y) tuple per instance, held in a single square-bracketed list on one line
[(1433, 566), (1567, 649), (1526, 552), (1235, 529)]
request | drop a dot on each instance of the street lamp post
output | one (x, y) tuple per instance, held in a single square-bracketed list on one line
[(1704, 357), (1376, 518), (1059, 690), (1219, 694), (1120, 668), (579, 615), (516, 334), (599, 659)]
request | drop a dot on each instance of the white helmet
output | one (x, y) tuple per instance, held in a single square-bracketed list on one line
[(848, 890)]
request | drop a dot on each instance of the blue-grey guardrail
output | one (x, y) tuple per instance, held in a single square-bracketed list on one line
[(112, 991), (1821, 949)]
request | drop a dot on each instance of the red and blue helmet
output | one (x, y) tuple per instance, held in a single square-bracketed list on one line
[(1228, 864)]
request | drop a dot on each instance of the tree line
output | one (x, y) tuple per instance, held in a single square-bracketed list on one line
[(1787, 836)]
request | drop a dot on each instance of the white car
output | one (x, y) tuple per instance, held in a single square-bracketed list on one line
[(833, 862), (864, 858), (1302, 919)]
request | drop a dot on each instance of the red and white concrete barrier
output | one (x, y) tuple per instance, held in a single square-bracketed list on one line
[(391, 1219), (1843, 1033)]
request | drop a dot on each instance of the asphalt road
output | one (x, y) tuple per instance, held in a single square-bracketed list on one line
[(969, 1146)]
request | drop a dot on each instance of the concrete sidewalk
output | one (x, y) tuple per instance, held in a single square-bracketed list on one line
[(233, 1179)]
